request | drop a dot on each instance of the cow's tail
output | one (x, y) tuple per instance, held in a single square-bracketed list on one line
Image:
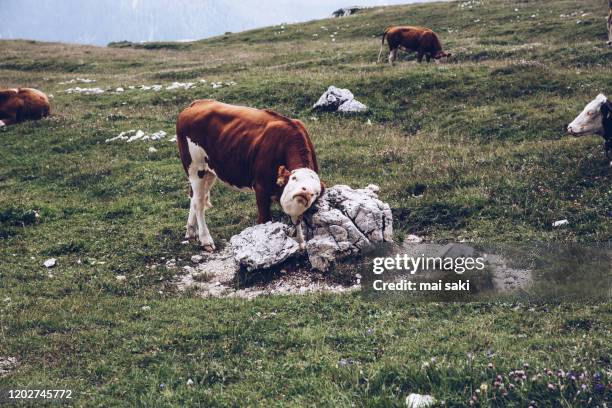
[(382, 43)]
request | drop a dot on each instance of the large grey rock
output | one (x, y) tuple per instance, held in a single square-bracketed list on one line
[(339, 99), (352, 105), (263, 246), (344, 222)]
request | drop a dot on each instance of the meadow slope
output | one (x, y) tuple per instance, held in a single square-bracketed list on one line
[(484, 134)]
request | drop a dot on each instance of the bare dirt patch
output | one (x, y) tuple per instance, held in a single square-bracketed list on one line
[(216, 276)]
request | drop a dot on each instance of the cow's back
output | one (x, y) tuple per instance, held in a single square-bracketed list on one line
[(238, 141), (413, 38)]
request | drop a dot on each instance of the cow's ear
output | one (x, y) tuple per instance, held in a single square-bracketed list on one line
[(282, 176), (322, 188)]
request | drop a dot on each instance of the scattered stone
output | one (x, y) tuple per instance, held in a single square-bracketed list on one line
[(145, 308), (338, 99), (120, 278), (419, 401), (177, 85), (155, 87), (80, 80), (119, 90), (413, 239), (196, 258), (137, 135), (50, 263), (185, 242), (189, 381), (560, 223), (7, 364), (263, 246), (85, 91), (152, 149)]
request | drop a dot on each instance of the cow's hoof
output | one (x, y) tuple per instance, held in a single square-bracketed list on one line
[(208, 247), (191, 233)]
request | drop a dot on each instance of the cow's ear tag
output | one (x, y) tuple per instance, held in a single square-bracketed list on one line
[(282, 176)]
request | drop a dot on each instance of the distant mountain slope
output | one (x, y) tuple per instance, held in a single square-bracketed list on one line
[(100, 22)]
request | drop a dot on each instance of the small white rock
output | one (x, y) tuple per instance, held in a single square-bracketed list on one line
[(190, 382), (50, 263), (152, 149), (560, 223), (413, 239), (184, 242), (419, 401), (120, 278), (146, 308), (196, 258)]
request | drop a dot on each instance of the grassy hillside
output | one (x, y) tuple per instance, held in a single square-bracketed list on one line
[(484, 133)]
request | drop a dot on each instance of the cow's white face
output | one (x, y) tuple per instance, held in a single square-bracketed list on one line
[(302, 188), (589, 120)]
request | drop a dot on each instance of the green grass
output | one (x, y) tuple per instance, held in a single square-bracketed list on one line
[(483, 133)]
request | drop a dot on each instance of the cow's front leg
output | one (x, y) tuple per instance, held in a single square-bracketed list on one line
[(200, 202), (264, 201), (420, 57)]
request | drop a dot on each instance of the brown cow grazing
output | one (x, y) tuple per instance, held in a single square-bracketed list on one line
[(251, 150), (421, 40), (19, 104)]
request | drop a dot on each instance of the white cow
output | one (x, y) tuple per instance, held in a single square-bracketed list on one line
[(595, 118)]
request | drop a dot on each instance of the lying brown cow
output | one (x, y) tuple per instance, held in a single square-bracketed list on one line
[(19, 104), (421, 40), (249, 149)]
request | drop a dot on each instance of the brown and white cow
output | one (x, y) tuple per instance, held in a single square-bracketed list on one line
[(251, 150), (595, 119), (19, 104), (421, 40)]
